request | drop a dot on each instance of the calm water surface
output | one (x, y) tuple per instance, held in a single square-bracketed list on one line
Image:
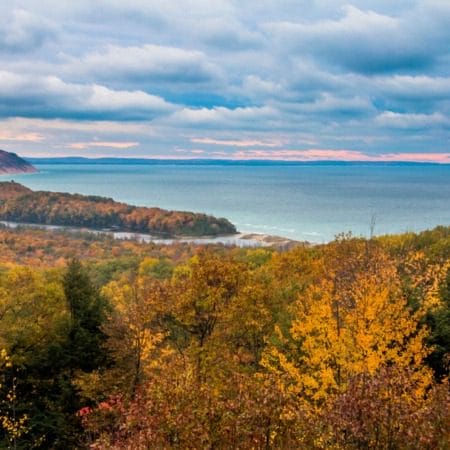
[(306, 202)]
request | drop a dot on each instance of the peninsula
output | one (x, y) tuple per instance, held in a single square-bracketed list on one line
[(20, 204), (11, 163)]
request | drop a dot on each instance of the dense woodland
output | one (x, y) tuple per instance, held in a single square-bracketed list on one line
[(108, 344), (20, 204)]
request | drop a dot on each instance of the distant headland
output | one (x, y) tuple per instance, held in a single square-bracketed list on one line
[(20, 204), (10, 163)]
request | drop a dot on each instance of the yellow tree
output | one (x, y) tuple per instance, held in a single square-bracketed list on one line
[(204, 292), (355, 320), (12, 424), (31, 303), (132, 327)]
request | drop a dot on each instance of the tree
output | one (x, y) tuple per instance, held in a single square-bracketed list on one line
[(388, 411), (203, 295), (13, 425), (87, 311), (439, 321), (79, 352), (354, 321), (132, 328)]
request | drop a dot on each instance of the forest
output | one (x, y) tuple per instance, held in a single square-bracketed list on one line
[(116, 344), (20, 204)]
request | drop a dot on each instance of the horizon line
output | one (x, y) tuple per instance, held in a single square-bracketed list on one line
[(237, 160)]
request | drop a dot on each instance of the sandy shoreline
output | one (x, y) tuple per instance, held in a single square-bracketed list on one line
[(239, 239)]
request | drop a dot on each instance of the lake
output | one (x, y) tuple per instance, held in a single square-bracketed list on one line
[(311, 202)]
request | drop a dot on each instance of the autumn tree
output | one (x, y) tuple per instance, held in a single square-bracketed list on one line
[(13, 422), (387, 411), (133, 327), (204, 292), (33, 331), (354, 321)]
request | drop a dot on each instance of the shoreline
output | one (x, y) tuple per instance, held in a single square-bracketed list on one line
[(244, 240)]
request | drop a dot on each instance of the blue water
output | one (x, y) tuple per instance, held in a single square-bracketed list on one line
[(308, 202)]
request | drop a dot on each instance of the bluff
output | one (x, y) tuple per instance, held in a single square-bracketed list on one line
[(20, 204), (11, 163)]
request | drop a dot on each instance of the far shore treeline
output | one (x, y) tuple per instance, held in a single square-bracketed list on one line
[(20, 204)]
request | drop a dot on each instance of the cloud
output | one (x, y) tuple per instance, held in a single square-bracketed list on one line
[(340, 155), (118, 145), (441, 158), (327, 103), (367, 75), (145, 65), (64, 126), (361, 40), (235, 143), (229, 35), (255, 86), (223, 118), (50, 97), (21, 137), (22, 31), (421, 87), (412, 121)]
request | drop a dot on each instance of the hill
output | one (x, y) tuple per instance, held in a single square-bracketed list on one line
[(342, 345), (11, 163), (20, 204)]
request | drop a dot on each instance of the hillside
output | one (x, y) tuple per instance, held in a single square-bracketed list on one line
[(11, 163), (20, 204), (340, 346)]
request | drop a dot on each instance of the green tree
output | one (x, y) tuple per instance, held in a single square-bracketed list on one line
[(87, 309), (439, 322)]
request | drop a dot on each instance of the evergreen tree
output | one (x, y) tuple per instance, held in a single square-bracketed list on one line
[(79, 350), (439, 322), (87, 313)]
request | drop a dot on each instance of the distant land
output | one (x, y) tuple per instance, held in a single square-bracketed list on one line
[(20, 204), (11, 163), (215, 162)]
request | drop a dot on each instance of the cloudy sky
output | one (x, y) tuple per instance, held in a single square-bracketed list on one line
[(253, 79)]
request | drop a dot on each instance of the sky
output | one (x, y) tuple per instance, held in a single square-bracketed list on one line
[(226, 79)]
